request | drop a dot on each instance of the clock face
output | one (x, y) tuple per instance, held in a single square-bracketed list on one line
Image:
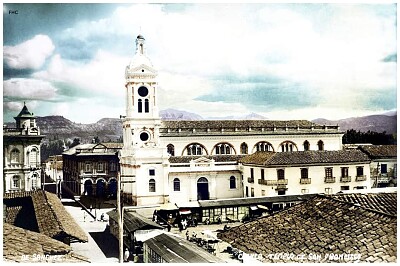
[(143, 91)]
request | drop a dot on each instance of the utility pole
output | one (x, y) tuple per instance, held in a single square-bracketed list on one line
[(120, 220)]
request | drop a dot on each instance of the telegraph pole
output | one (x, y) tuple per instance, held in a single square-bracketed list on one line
[(120, 220)]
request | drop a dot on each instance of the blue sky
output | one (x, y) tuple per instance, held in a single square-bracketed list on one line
[(283, 61)]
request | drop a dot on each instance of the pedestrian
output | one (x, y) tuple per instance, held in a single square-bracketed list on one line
[(102, 217), (90, 207), (195, 221), (169, 227), (126, 255), (187, 234), (84, 216), (180, 226)]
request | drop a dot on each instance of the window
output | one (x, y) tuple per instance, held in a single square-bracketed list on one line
[(320, 145), (328, 190), (247, 191), (140, 108), (152, 185), (15, 156), (232, 182), (100, 167), (304, 191), (34, 181), (251, 173), (304, 173), (264, 146), (262, 174), (195, 149), (243, 148), (33, 157), (171, 149), (280, 174), (384, 168), (345, 171), (360, 170), (87, 167), (146, 106), (306, 145), (360, 187), (329, 172), (152, 172), (344, 187), (113, 166), (252, 192), (15, 181), (223, 148), (288, 146), (177, 184), (262, 192), (281, 192)]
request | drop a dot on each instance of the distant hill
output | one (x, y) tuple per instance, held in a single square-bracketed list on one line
[(377, 123), (110, 129)]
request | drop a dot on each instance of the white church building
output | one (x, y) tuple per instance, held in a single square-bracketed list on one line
[(183, 161)]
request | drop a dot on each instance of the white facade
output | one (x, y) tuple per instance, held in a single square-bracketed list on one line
[(21, 157), (202, 156)]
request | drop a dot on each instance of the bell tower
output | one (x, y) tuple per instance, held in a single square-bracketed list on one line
[(143, 160)]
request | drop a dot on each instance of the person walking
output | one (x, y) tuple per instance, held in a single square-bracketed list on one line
[(126, 255)]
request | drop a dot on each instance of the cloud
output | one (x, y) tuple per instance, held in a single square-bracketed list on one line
[(28, 89), (30, 54)]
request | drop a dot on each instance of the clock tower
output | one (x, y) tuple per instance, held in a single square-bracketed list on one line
[(144, 162)]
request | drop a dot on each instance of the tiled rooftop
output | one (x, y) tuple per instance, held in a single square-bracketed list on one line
[(20, 245), (41, 212), (381, 202), (380, 151), (216, 158), (305, 157), (319, 226)]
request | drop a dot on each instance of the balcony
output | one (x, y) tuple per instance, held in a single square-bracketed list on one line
[(382, 178), (305, 181), (329, 179), (345, 179), (279, 182), (250, 179), (361, 178)]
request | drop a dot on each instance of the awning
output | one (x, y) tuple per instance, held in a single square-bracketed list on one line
[(253, 208), (263, 207), (185, 212)]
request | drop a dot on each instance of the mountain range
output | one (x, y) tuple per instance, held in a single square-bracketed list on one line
[(110, 129)]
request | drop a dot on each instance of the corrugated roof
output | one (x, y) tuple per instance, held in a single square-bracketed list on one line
[(380, 151), (253, 200), (134, 221), (305, 157), (321, 225), (20, 245), (174, 249)]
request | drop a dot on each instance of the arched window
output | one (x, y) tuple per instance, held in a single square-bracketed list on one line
[(171, 149), (34, 181), (195, 149), (264, 146), (223, 148), (15, 182), (15, 156), (146, 105), (232, 182), (306, 145), (152, 185), (320, 145), (177, 184), (33, 157), (140, 106), (288, 146), (243, 148)]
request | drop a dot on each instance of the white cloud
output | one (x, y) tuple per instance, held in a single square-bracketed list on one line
[(31, 54), (28, 89)]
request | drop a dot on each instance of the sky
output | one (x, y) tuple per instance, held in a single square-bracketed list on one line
[(282, 61)]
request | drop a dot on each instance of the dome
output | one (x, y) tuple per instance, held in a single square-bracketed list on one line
[(140, 37), (138, 60)]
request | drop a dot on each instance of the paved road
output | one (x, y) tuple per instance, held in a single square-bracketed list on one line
[(102, 246)]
